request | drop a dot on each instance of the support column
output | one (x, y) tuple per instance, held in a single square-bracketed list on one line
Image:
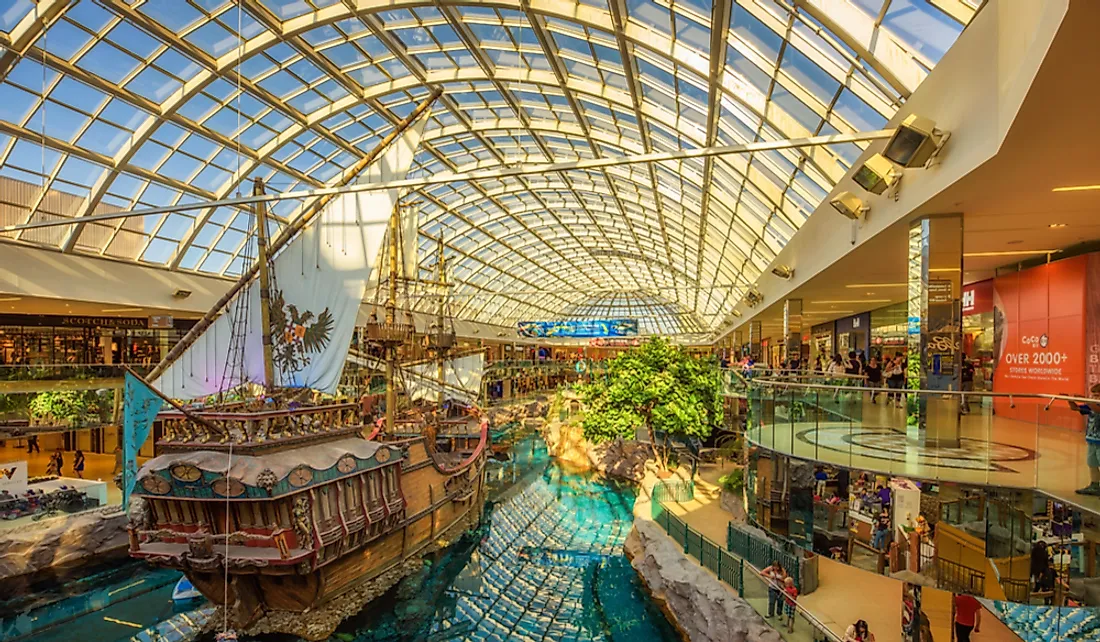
[(755, 330), (935, 328), (792, 330), (739, 344)]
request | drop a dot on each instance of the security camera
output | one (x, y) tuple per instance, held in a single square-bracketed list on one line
[(876, 175), (916, 142), (849, 205), (783, 271)]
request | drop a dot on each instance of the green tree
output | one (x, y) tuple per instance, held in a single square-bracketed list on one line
[(655, 386)]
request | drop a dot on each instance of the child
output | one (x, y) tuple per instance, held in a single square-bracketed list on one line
[(791, 595)]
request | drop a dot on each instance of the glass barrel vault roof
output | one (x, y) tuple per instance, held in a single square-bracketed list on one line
[(110, 105)]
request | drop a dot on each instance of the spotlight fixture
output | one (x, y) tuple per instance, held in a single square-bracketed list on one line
[(783, 271), (849, 205), (753, 298), (737, 313), (916, 142), (876, 175), (181, 294)]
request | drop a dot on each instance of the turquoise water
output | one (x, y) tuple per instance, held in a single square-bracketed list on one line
[(109, 603), (546, 566)]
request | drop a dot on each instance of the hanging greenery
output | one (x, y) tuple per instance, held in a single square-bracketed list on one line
[(655, 386), (64, 406), (74, 408)]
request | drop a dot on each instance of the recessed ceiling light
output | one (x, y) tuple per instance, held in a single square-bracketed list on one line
[(1055, 226), (852, 301), (1076, 188)]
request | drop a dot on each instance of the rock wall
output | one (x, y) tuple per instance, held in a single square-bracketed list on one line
[(620, 458), (701, 607), (518, 412), (62, 542)]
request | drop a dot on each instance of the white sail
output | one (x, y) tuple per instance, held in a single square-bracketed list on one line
[(462, 377), (320, 279)]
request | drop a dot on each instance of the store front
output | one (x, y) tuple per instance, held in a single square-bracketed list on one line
[(821, 343), (977, 331), (61, 339), (888, 328), (853, 334)]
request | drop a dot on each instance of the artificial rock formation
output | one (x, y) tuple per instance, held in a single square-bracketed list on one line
[(701, 607), (518, 413), (62, 542), (621, 459)]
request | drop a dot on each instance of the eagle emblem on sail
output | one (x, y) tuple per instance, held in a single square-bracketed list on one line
[(297, 334)]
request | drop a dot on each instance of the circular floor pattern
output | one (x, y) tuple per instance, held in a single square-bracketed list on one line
[(891, 445)]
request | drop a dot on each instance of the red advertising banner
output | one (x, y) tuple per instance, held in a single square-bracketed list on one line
[(977, 298), (1092, 331), (1039, 333)]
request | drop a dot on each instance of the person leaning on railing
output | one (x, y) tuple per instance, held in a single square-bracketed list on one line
[(1091, 411), (775, 576)]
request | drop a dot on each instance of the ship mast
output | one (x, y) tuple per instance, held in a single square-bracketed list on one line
[(288, 233), (391, 320), (264, 266), (439, 322)]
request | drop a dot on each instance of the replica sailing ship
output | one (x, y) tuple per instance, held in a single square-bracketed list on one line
[(279, 504)]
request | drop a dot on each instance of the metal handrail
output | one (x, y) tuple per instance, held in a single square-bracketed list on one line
[(974, 393), (810, 617)]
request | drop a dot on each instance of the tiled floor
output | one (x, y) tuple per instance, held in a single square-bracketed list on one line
[(97, 467)]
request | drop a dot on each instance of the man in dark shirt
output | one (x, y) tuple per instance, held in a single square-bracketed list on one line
[(967, 385), (874, 377), (852, 366), (884, 496), (882, 531)]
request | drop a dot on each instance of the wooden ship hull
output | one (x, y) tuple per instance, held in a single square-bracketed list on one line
[(310, 517)]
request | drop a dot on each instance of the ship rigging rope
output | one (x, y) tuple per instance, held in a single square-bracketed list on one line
[(242, 338)]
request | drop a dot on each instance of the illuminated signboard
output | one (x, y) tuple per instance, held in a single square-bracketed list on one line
[(579, 328)]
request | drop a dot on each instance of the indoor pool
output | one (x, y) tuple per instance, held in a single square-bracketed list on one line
[(547, 565)]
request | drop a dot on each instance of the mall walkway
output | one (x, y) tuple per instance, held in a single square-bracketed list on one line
[(705, 515), (994, 450), (97, 466)]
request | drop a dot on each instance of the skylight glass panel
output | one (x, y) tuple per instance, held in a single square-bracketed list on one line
[(65, 40)]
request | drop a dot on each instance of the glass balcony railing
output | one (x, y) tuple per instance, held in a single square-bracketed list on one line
[(65, 371), (981, 438)]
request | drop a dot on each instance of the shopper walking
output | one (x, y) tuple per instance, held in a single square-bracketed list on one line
[(895, 378), (32, 444), (968, 617), (853, 367), (874, 377), (882, 530), (78, 464), (1091, 412), (967, 385), (774, 575)]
